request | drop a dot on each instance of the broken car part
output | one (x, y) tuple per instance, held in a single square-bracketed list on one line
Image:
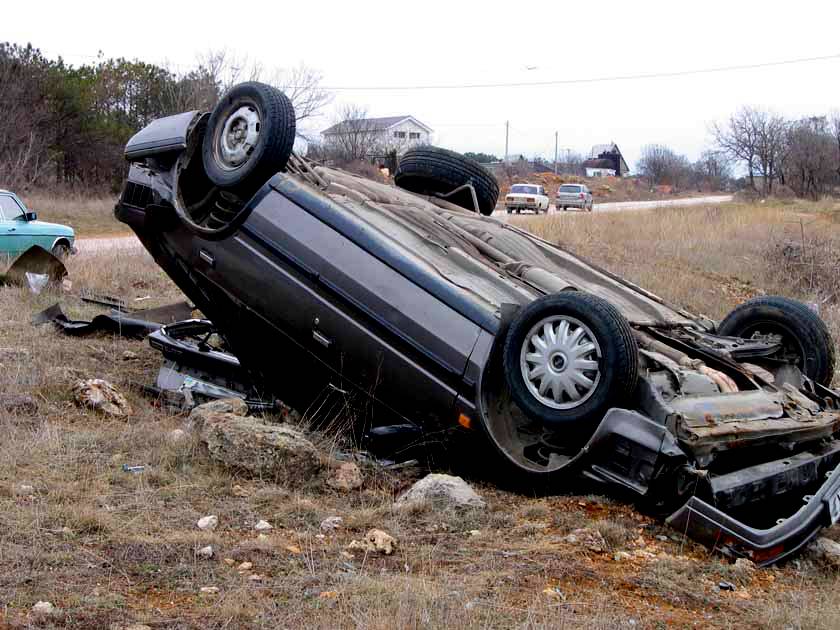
[(432, 315)]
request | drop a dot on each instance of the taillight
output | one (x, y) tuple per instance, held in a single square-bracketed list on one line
[(529, 199), (582, 196)]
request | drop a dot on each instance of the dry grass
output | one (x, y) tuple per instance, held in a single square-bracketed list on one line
[(128, 553), (88, 216)]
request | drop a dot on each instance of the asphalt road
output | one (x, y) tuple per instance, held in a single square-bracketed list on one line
[(616, 206), (92, 245)]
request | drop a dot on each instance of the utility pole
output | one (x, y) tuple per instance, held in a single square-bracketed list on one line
[(507, 134), (555, 153)]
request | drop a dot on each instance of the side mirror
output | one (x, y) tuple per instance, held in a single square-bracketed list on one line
[(30, 216)]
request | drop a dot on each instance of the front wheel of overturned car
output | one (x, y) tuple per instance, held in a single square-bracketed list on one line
[(249, 137), (568, 358), (435, 171), (804, 337)]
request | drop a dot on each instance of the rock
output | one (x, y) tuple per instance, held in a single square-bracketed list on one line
[(176, 437), (331, 523), (245, 566), (24, 489), (131, 626), (745, 564), (208, 523), (474, 532), (229, 561), (263, 526), (209, 590), (199, 415), (101, 396), (346, 477), (662, 538), (267, 451), (255, 577), (43, 608), (591, 539), (18, 403), (205, 552), (239, 491), (128, 355), (376, 541), (441, 491), (620, 556), (726, 586), (826, 551)]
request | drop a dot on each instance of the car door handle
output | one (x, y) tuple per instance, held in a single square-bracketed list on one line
[(12, 229), (321, 338), (207, 257)]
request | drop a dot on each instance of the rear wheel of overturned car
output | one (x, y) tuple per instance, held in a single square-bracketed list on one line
[(436, 171), (568, 358), (249, 137), (804, 337)]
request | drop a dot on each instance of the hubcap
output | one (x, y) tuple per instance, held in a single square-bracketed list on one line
[(559, 362), (239, 137)]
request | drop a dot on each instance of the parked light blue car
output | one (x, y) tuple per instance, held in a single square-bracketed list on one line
[(19, 230)]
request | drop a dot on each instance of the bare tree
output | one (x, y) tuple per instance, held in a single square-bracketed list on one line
[(661, 165), (301, 83), (834, 129), (712, 171), (353, 136), (757, 138)]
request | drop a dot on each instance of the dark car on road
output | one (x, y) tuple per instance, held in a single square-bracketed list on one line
[(411, 301)]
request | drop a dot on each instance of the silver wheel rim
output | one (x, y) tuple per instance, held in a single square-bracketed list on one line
[(239, 137), (559, 360)]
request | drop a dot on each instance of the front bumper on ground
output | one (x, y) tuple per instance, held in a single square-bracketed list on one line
[(713, 528)]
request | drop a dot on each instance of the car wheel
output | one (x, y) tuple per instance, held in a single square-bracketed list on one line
[(61, 250), (805, 338), (568, 358), (432, 170), (249, 137)]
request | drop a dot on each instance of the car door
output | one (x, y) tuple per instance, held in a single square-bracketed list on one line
[(373, 327), (12, 227)]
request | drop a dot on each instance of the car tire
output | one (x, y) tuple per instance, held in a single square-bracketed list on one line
[(61, 250), (804, 334), (594, 369), (249, 137), (432, 170)]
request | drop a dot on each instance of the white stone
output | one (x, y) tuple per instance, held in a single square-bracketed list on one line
[(442, 491), (43, 608), (205, 552), (208, 523), (331, 523), (176, 436), (210, 590), (263, 526)]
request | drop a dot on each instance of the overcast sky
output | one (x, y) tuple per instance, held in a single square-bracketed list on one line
[(381, 44)]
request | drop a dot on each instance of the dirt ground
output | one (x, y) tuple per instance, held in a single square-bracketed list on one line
[(109, 548)]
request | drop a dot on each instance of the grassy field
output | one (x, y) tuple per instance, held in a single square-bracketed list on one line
[(109, 548), (89, 216)]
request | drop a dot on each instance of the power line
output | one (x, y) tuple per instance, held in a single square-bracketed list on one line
[(604, 79)]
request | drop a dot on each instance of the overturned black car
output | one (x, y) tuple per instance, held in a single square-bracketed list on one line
[(436, 315)]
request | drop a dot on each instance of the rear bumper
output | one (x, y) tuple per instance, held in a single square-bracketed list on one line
[(709, 526), (570, 203)]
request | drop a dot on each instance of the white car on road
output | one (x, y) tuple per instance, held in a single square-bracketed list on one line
[(526, 197)]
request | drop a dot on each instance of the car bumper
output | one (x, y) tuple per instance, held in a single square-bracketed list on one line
[(571, 203), (712, 527), (516, 205)]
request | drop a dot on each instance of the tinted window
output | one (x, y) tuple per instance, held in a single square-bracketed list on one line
[(570, 188), (528, 190), (9, 207)]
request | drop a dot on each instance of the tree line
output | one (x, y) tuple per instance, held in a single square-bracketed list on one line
[(773, 153), (66, 126)]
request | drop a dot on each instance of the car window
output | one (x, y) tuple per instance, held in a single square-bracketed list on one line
[(9, 207), (569, 188), (521, 188), (542, 190)]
